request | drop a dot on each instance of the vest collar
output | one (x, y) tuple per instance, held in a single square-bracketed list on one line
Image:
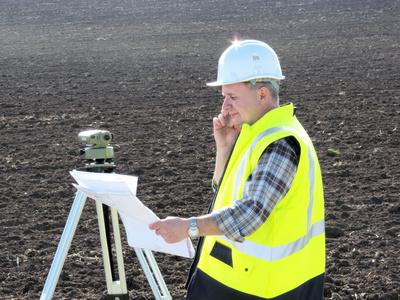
[(282, 112)]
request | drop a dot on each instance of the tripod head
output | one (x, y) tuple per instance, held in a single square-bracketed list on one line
[(99, 157)]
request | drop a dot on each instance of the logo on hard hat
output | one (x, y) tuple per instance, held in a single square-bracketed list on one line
[(256, 56)]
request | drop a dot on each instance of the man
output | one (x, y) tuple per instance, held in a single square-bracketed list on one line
[(264, 236)]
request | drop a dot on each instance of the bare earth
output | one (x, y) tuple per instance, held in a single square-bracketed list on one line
[(139, 68)]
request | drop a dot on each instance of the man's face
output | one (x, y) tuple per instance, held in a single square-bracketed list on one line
[(242, 103)]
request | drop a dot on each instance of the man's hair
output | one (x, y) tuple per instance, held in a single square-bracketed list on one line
[(272, 90)]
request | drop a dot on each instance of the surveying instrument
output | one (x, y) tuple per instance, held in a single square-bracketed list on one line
[(99, 157)]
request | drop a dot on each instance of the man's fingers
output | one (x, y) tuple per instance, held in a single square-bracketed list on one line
[(217, 122), (224, 112), (154, 226), (221, 120), (228, 120)]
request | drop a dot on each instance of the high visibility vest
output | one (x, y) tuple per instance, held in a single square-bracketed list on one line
[(285, 257)]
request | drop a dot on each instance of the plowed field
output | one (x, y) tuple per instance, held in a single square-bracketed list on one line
[(138, 69)]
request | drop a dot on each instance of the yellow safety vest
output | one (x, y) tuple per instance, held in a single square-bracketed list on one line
[(286, 255)]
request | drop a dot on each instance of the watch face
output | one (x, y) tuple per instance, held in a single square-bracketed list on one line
[(193, 231)]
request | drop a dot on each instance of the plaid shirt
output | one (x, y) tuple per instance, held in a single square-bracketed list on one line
[(269, 182)]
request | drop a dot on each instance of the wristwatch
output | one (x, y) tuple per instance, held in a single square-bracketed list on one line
[(193, 230)]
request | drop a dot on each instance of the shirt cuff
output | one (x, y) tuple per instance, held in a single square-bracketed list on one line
[(226, 223)]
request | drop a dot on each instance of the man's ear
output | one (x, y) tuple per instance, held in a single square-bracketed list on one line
[(264, 94)]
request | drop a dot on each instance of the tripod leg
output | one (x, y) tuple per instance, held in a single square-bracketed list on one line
[(108, 243), (150, 268), (157, 274), (116, 288), (63, 246), (118, 248)]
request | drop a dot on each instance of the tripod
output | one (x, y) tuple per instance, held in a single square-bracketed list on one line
[(100, 158)]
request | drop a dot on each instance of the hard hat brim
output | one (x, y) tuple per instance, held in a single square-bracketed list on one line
[(215, 83), (220, 83)]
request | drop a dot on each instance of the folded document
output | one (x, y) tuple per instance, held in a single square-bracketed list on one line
[(119, 191)]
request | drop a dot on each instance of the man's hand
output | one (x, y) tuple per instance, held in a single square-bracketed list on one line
[(225, 132), (172, 229)]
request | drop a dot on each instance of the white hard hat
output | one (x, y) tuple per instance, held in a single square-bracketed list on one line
[(248, 60)]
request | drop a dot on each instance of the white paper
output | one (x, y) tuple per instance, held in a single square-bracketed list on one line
[(119, 191)]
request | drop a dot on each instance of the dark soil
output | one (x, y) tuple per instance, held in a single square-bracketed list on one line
[(139, 68)]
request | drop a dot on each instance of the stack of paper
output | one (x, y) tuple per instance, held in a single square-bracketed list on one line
[(119, 191)]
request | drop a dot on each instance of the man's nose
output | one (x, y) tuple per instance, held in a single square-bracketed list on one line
[(226, 105)]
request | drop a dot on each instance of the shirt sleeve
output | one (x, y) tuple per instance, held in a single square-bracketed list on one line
[(269, 182)]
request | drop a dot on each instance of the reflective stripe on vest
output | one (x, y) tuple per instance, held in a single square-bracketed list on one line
[(275, 253)]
